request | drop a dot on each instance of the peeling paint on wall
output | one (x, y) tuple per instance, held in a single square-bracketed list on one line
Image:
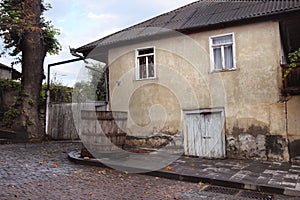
[(255, 142)]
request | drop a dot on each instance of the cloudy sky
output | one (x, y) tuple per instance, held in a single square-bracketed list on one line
[(84, 21)]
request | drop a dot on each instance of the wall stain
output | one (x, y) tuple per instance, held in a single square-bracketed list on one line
[(274, 144), (254, 142)]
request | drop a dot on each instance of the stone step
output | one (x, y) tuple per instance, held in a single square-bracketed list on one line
[(296, 160), (7, 134), (14, 137), (5, 141)]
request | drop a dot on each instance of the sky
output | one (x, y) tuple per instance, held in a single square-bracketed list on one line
[(84, 21)]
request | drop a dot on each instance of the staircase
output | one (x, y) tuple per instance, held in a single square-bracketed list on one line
[(7, 136)]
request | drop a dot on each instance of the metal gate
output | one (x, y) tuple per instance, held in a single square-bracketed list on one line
[(203, 133)]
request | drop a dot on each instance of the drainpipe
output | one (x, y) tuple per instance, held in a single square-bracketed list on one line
[(286, 118), (287, 128), (74, 53), (106, 88), (48, 85)]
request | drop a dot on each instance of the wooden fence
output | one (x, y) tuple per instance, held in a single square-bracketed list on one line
[(62, 125)]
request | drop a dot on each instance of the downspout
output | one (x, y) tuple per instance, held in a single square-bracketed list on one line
[(106, 88), (284, 100), (287, 128), (48, 86), (74, 53)]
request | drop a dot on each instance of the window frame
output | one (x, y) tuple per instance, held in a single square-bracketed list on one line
[(137, 65), (212, 57)]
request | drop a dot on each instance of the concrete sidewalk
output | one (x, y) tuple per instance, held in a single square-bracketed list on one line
[(263, 176)]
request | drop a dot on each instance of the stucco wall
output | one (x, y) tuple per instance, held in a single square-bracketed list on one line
[(255, 120), (6, 74)]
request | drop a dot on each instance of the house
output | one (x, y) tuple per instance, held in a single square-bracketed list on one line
[(210, 72), (8, 72)]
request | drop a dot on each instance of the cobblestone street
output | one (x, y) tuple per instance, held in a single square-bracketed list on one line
[(42, 171)]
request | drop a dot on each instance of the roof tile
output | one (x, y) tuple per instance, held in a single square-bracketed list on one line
[(199, 14)]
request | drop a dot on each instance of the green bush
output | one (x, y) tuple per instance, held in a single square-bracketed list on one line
[(8, 85), (58, 94), (294, 59)]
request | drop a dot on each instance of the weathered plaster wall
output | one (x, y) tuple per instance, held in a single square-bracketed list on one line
[(255, 120)]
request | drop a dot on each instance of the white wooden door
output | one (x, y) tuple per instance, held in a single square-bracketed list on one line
[(203, 134)]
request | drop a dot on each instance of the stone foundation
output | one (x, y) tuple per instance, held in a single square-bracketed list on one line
[(154, 142)]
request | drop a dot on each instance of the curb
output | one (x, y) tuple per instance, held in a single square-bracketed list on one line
[(73, 157)]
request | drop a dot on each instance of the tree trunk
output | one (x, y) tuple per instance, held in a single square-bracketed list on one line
[(33, 55)]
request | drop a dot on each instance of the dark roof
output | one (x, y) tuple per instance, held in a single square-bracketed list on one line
[(197, 15), (2, 66)]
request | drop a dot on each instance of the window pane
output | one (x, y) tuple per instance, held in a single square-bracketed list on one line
[(228, 57), (222, 40), (145, 62), (142, 68), (217, 58), (146, 51), (151, 66)]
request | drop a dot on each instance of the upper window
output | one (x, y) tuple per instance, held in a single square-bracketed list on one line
[(222, 51), (145, 63)]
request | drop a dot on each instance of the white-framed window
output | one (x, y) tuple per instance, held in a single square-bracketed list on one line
[(145, 63), (222, 52)]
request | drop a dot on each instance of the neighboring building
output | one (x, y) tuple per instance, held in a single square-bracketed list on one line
[(8, 72), (210, 71)]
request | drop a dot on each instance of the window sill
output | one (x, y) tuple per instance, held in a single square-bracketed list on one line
[(224, 70), (146, 79)]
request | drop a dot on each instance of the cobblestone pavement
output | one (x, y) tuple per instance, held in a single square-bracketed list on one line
[(42, 171)]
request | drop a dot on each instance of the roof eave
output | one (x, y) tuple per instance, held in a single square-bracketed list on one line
[(89, 48)]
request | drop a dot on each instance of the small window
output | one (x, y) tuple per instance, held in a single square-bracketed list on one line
[(222, 52), (145, 63)]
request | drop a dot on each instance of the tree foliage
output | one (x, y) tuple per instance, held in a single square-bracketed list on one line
[(7, 85), (28, 36), (58, 94), (93, 89), (294, 59), (16, 19)]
